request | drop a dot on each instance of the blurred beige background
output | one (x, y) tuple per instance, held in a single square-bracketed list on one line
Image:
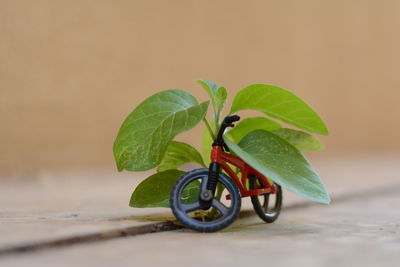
[(71, 71)]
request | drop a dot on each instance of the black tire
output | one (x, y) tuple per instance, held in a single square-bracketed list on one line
[(227, 214), (262, 207)]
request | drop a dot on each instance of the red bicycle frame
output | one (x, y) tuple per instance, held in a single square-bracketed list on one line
[(222, 158)]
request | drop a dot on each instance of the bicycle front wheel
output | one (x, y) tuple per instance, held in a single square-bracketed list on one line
[(188, 209)]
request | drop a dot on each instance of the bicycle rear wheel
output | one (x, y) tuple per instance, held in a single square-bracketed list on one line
[(267, 206)]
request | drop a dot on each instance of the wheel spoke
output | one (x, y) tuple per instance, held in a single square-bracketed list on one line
[(203, 185), (190, 207), (219, 206)]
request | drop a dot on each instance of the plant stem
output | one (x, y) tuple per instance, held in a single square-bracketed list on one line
[(209, 128), (216, 120)]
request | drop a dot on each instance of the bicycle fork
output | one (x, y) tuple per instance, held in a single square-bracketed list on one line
[(207, 190), (212, 180)]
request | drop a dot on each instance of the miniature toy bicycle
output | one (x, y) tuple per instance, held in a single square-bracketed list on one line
[(213, 184)]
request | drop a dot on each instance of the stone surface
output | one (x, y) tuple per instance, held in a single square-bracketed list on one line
[(52, 206), (361, 232), (357, 229)]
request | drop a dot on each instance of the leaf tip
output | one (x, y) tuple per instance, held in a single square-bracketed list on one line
[(326, 199), (324, 131), (132, 201), (203, 83), (119, 167)]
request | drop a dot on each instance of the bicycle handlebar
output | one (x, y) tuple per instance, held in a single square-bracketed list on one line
[(228, 120)]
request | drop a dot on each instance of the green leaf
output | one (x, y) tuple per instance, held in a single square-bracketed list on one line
[(301, 140), (155, 190), (147, 131), (251, 124), (177, 154), (217, 94), (280, 104), (281, 162)]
